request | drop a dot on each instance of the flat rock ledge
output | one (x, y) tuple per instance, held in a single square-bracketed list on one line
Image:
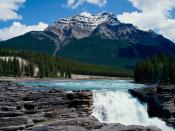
[(161, 101), (51, 110)]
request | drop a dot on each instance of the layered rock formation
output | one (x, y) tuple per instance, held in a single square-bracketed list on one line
[(51, 110), (161, 101)]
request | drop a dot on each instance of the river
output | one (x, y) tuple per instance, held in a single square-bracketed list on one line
[(112, 102)]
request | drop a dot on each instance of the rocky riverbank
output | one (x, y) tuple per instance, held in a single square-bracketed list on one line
[(51, 110), (161, 101)]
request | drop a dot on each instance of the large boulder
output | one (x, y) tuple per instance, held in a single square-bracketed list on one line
[(160, 100)]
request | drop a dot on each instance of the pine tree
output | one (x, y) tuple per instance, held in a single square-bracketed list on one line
[(16, 67)]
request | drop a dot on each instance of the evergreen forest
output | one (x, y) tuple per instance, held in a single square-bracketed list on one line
[(156, 70), (52, 66)]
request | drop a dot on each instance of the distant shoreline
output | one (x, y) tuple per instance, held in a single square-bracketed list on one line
[(74, 77)]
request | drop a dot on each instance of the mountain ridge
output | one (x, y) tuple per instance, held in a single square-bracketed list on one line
[(61, 38)]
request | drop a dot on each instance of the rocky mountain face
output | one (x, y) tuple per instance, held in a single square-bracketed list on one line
[(97, 39), (78, 27)]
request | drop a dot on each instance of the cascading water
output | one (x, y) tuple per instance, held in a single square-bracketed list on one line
[(121, 107), (112, 102)]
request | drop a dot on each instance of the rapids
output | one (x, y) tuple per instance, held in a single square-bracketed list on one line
[(112, 102)]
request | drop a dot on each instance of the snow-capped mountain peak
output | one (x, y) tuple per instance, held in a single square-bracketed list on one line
[(80, 26), (83, 25)]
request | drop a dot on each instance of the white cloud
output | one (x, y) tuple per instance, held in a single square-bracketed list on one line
[(70, 3), (152, 14), (86, 14), (9, 8), (75, 3), (17, 29)]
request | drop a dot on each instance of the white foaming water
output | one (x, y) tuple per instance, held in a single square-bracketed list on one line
[(112, 102), (120, 107)]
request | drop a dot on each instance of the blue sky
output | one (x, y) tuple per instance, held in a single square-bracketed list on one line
[(34, 11), (20, 16)]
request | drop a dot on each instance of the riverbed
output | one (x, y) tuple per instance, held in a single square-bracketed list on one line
[(112, 102)]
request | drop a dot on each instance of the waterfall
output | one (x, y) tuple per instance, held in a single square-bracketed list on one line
[(121, 107), (112, 102)]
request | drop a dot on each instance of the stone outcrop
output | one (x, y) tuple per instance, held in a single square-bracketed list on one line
[(102, 127), (161, 101), (22, 108)]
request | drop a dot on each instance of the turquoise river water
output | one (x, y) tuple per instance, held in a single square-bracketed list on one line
[(112, 102)]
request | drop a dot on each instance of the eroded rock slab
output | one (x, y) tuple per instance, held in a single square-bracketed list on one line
[(161, 101), (51, 110)]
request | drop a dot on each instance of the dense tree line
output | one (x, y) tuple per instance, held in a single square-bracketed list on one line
[(156, 70), (50, 66), (14, 68)]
